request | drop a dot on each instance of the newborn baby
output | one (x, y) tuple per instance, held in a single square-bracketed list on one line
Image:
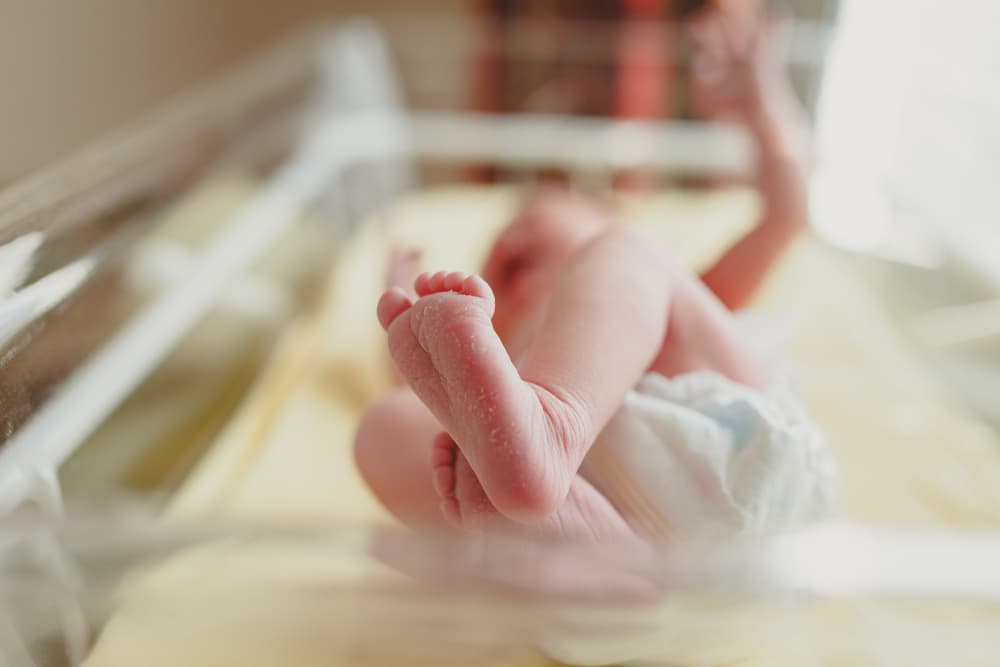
[(587, 388), (535, 388)]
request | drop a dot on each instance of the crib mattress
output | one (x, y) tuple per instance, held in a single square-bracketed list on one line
[(910, 456)]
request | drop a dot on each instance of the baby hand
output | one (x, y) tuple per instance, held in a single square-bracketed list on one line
[(736, 73)]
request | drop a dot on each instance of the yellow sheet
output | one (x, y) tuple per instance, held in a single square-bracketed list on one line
[(910, 456)]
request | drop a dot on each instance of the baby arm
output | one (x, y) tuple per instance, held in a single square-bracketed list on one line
[(737, 76)]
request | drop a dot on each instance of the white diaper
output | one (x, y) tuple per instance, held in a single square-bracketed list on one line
[(701, 456)]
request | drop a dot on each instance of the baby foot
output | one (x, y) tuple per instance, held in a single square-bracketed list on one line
[(585, 515), (444, 455), (463, 501), (445, 346)]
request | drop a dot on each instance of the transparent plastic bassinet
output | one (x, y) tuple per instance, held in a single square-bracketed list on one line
[(108, 302)]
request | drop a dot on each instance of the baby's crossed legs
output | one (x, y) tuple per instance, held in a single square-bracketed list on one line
[(516, 431), (522, 433)]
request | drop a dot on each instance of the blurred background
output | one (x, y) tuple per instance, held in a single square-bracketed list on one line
[(72, 72), (181, 319), (903, 96)]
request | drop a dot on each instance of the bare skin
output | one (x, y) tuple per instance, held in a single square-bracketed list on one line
[(515, 435), (737, 77), (510, 386)]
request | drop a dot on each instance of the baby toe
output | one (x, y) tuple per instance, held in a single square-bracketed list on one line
[(454, 281), (444, 481), (420, 285), (392, 304), (429, 283), (443, 457), (451, 511), (475, 286)]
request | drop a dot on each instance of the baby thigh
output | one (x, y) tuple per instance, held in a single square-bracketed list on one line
[(392, 449), (703, 335)]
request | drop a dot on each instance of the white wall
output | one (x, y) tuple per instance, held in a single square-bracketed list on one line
[(72, 70)]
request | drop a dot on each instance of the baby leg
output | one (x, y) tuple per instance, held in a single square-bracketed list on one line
[(445, 346), (399, 450), (392, 449), (585, 515), (525, 434)]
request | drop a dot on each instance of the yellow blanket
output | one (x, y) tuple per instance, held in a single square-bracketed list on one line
[(909, 455)]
